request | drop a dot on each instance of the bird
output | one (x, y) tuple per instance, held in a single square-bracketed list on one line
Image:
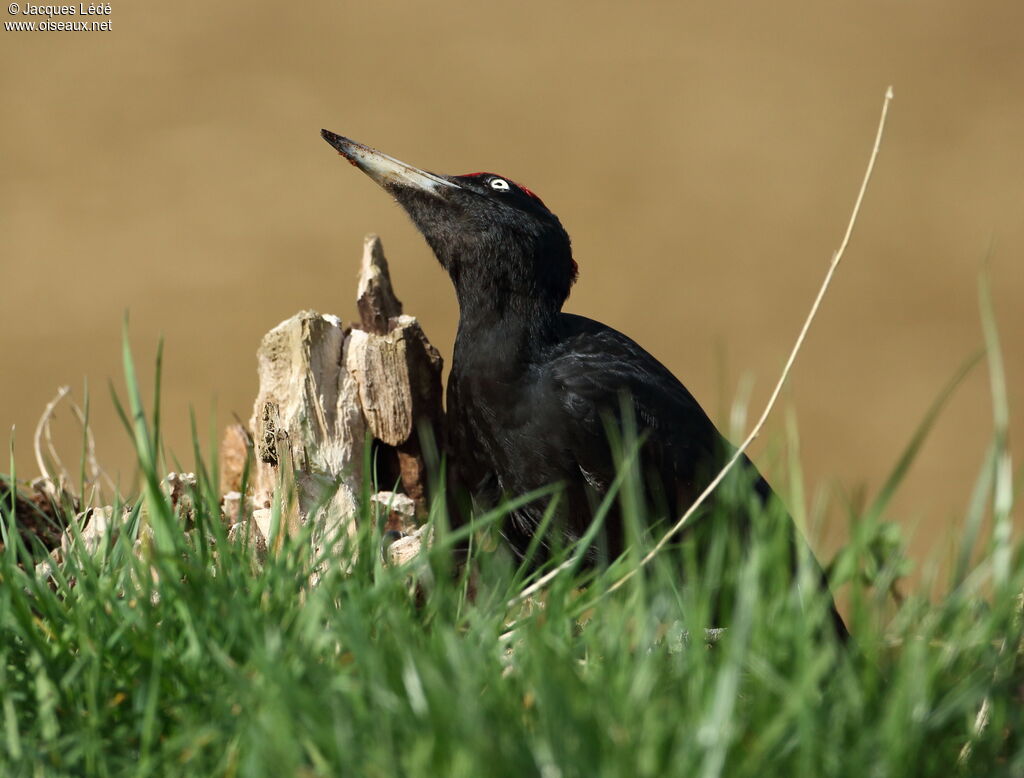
[(536, 395)]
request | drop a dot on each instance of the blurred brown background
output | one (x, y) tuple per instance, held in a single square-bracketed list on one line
[(704, 157)]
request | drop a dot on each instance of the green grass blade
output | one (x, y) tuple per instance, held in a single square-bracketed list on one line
[(899, 472), (1002, 487)]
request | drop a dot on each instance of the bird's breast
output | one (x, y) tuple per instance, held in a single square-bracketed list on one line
[(502, 428)]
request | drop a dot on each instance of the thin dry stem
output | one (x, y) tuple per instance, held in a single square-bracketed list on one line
[(53, 468), (836, 257), (43, 433)]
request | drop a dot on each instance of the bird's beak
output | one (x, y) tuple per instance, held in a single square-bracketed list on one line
[(387, 171)]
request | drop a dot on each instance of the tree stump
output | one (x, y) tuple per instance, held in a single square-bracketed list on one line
[(326, 390), (398, 373)]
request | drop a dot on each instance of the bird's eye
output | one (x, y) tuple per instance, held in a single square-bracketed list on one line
[(500, 184)]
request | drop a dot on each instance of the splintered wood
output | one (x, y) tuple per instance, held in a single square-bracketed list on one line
[(325, 391)]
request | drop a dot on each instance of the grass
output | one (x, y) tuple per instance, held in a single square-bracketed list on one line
[(189, 659)]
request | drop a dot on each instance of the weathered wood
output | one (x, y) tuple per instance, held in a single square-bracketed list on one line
[(307, 424), (323, 389), (398, 372), (249, 534), (179, 488), (97, 526), (399, 510), (399, 379), (235, 450), (231, 504), (407, 548), (375, 296)]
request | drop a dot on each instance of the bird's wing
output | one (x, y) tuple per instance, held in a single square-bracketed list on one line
[(600, 373), (602, 377)]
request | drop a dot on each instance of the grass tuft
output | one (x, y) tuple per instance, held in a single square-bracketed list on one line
[(189, 659)]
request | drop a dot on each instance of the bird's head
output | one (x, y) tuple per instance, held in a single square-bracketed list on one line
[(497, 239)]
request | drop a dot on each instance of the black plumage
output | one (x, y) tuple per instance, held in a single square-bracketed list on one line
[(533, 392)]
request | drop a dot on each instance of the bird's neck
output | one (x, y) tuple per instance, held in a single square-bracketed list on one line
[(503, 333)]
